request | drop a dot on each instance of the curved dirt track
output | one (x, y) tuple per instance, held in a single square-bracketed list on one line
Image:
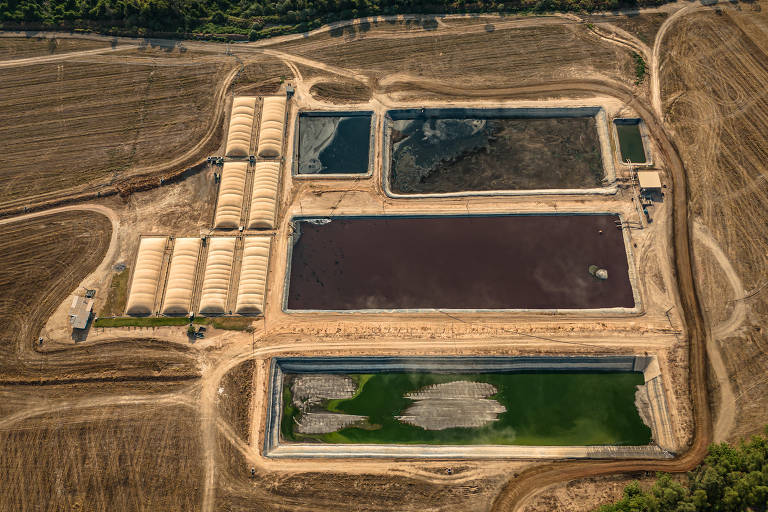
[(530, 481)]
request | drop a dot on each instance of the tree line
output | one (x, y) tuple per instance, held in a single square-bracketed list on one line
[(731, 479), (251, 19)]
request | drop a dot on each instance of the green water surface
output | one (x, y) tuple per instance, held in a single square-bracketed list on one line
[(630, 143), (545, 409)]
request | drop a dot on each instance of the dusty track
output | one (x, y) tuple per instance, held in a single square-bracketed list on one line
[(31, 61), (527, 483)]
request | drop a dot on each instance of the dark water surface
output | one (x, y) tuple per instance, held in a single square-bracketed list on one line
[(491, 262), (347, 151), (630, 142)]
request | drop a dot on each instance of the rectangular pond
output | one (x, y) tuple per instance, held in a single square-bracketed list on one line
[(490, 262), (570, 402), (630, 140), (333, 143), (438, 151)]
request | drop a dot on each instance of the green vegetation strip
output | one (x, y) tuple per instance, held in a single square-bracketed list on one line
[(640, 68), (546, 409), (731, 478), (228, 323)]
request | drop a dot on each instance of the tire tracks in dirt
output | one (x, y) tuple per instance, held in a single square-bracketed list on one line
[(46, 59)]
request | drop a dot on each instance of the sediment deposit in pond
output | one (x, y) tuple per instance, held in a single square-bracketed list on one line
[(459, 404), (458, 262), (310, 391), (333, 144), (315, 388), (539, 409), (325, 422), (450, 150)]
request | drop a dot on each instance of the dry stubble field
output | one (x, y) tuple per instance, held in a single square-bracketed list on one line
[(714, 71)]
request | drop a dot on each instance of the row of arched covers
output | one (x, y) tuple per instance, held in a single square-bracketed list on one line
[(181, 277), (231, 190), (146, 276), (234, 174), (253, 275)]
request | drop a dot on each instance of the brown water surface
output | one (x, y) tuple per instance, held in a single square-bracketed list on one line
[(468, 262)]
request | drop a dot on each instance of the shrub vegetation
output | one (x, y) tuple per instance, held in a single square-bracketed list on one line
[(238, 19), (731, 478)]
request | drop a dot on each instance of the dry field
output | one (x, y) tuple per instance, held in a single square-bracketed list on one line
[(714, 71), (26, 47), (291, 491), (514, 52), (95, 120), (42, 262), (103, 459), (234, 398), (341, 91), (643, 26)]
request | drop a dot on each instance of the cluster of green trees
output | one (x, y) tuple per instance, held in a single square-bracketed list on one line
[(731, 479), (255, 18)]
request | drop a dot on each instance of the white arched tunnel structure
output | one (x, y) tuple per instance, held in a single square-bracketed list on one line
[(266, 180), (181, 277), (253, 275), (272, 127), (218, 271), (146, 276), (230, 203), (241, 126)]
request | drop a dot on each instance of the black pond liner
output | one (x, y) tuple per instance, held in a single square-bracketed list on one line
[(464, 156), (348, 152), (458, 262)]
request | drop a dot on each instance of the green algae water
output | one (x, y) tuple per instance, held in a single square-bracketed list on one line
[(542, 409), (630, 141)]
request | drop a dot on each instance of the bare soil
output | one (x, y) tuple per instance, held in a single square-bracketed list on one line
[(714, 65), (341, 92), (105, 458), (97, 119), (234, 398), (25, 47)]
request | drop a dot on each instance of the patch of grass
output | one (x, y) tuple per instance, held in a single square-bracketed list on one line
[(289, 414), (227, 323), (150, 321), (117, 294), (640, 68), (552, 409)]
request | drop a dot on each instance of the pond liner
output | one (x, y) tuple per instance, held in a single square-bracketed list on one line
[(333, 113), (273, 448), (598, 112), (290, 306)]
